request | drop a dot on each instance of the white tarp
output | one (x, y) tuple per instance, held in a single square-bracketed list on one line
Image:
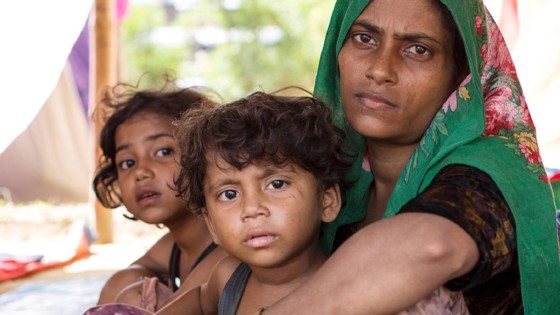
[(36, 36)]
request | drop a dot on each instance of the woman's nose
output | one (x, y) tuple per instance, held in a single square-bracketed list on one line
[(383, 66)]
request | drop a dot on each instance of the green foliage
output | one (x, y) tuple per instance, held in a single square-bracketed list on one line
[(238, 66)]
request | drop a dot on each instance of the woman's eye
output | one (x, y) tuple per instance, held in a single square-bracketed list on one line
[(227, 195), (276, 184), (363, 38), (418, 50), (126, 164), (164, 152)]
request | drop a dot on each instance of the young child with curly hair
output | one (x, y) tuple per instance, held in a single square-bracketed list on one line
[(264, 172)]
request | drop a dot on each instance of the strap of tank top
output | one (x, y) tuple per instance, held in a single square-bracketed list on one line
[(233, 290), (174, 263), (175, 260)]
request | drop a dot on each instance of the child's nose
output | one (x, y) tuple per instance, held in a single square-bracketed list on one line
[(253, 207), (143, 171)]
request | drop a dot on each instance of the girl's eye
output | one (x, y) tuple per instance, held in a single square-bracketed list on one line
[(277, 184), (227, 195), (126, 164), (164, 152)]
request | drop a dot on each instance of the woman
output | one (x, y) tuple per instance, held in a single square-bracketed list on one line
[(451, 191)]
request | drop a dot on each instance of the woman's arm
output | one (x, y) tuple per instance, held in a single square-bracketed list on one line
[(385, 267)]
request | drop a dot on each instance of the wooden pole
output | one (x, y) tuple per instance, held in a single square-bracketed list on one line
[(103, 74)]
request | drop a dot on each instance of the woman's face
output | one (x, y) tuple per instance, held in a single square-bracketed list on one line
[(396, 70)]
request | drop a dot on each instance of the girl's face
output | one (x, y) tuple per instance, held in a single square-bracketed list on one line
[(267, 215), (396, 70), (146, 159)]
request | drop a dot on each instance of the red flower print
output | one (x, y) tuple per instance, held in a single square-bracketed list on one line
[(525, 114), (478, 23), (451, 102), (497, 54), (500, 111)]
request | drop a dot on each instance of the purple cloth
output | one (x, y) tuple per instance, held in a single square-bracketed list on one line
[(116, 309)]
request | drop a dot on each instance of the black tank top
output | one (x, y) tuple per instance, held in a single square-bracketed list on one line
[(175, 263), (233, 290)]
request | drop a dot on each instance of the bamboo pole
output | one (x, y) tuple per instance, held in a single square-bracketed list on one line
[(103, 74)]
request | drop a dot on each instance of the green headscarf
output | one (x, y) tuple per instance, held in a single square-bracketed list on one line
[(486, 124)]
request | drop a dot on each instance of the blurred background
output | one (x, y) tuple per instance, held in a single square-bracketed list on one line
[(231, 46)]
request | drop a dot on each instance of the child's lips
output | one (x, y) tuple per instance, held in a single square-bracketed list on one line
[(145, 197), (259, 240)]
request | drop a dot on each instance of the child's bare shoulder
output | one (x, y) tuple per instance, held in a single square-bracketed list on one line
[(156, 258), (224, 269)]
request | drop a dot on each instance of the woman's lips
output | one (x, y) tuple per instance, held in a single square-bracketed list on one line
[(374, 101)]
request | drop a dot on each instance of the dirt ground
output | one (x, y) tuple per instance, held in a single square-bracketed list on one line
[(44, 229)]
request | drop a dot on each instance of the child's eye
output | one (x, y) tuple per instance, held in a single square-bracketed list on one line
[(228, 195), (164, 152), (126, 164), (276, 184)]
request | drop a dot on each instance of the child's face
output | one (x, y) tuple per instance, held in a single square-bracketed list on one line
[(266, 215), (146, 159)]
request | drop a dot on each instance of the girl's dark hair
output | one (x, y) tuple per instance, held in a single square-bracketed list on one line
[(260, 128), (459, 54), (124, 101)]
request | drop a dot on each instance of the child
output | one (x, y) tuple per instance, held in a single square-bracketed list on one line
[(264, 172), (137, 169)]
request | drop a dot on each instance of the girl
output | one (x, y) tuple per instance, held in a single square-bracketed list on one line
[(137, 169)]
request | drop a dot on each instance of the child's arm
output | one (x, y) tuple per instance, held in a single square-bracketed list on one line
[(188, 303), (152, 264), (203, 299)]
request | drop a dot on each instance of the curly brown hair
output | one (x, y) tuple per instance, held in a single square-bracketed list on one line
[(260, 128), (125, 102)]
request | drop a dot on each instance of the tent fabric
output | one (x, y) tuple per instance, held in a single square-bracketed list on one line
[(38, 36), (74, 247), (50, 160), (79, 63)]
